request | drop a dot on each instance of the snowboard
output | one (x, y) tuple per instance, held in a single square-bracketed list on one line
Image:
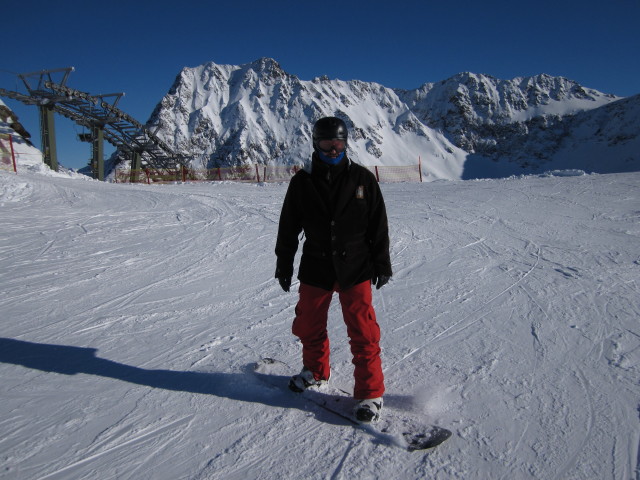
[(396, 427)]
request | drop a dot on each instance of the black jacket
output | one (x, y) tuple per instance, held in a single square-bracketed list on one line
[(342, 213)]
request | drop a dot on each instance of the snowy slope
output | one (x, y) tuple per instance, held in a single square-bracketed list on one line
[(131, 313)]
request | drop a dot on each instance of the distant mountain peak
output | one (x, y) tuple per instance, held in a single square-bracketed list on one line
[(258, 113)]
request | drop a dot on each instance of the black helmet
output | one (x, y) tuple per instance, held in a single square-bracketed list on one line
[(329, 128)]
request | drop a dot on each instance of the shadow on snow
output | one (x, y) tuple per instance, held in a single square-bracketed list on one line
[(69, 360)]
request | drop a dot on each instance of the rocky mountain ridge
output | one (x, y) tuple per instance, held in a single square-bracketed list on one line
[(258, 113)]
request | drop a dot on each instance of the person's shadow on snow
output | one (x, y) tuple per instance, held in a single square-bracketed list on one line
[(68, 360)]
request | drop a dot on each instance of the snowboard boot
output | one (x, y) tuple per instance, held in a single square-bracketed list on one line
[(368, 411), (304, 380)]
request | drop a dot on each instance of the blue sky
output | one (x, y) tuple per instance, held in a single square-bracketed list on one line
[(139, 46)]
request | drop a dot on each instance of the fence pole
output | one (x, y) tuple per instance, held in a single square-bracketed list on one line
[(13, 154), (420, 167), (257, 173), (377, 174)]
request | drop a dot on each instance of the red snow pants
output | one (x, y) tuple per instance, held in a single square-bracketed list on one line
[(310, 326)]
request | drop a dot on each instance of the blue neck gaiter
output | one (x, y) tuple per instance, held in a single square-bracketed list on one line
[(329, 160)]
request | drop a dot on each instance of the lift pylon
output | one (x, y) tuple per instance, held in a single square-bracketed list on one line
[(98, 113)]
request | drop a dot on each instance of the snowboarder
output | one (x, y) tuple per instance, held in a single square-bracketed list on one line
[(339, 206)]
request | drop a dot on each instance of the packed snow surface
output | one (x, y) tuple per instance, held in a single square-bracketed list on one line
[(131, 316)]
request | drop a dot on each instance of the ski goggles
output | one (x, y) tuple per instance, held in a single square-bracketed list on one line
[(332, 144)]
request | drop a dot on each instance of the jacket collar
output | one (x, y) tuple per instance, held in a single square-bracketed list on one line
[(317, 167)]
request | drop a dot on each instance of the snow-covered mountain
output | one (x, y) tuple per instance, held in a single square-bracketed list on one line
[(524, 122), (258, 113), (464, 127)]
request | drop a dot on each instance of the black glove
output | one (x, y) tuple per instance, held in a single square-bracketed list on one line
[(284, 276), (380, 281), (285, 283)]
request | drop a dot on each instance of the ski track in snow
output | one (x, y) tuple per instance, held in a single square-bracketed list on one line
[(131, 315)]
